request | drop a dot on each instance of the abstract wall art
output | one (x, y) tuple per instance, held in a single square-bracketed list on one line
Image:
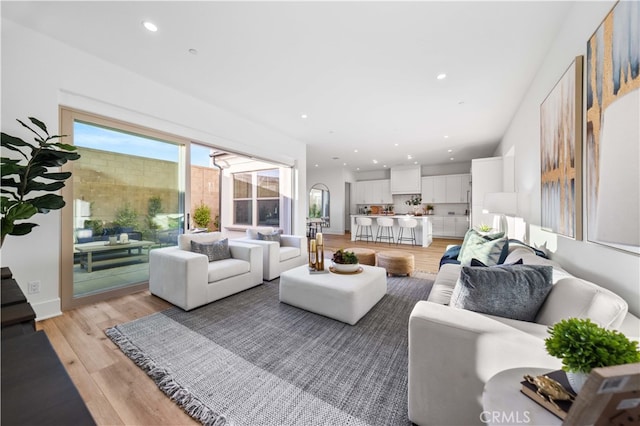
[(561, 155), (613, 130)]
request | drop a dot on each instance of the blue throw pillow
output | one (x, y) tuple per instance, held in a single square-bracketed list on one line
[(510, 291)]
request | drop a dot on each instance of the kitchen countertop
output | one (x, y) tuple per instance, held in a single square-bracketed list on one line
[(400, 215)]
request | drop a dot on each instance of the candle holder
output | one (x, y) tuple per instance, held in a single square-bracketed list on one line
[(312, 254), (319, 257)]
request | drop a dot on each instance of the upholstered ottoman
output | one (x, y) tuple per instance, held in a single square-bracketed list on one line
[(396, 262), (365, 256), (345, 298)]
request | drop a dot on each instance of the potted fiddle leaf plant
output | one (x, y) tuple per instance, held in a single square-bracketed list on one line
[(28, 186), (583, 345)]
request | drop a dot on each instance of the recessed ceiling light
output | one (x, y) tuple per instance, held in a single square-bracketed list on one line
[(358, 168), (441, 76), (150, 26), (384, 165), (344, 164), (317, 165), (303, 116), (355, 150), (409, 157), (395, 144), (415, 162), (449, 150), (193, 51), (375, 161), (446, 136), (451, 158)]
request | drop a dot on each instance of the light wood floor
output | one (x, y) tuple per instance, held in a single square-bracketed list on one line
[(115, 390)]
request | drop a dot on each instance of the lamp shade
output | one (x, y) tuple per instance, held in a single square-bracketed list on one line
[(501, 203)]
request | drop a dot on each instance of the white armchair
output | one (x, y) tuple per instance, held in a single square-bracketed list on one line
[(189, 280), (278, 257)]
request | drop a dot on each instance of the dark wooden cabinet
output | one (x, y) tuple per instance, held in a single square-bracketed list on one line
[(36, 389)]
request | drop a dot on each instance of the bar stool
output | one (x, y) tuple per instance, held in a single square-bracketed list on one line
[(385, 229), (409, 224), (363, 231)]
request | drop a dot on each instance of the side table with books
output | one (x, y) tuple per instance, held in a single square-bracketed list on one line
[(611, 395), (504, 403)]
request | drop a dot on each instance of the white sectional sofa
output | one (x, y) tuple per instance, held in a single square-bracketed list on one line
[(189, 280), (454, 352), (278, 256)]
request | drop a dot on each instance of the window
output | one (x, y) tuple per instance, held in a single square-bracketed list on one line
[(256, 198), (242, 198)]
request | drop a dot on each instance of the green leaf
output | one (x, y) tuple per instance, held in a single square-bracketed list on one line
[(38, 138), (21, 211), (39, 186), (13, 143), (65, 146), (22, 228), (47, 202), (57, 176), (40, 124)]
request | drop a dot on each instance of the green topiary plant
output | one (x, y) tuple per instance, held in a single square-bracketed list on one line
[(126, 216), (345, 257), (202, 216), (583, 345), (19, 180)]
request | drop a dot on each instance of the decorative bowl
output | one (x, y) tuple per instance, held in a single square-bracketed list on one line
[(345, 267)]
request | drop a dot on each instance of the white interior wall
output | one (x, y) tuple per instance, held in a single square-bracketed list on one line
[(40, 73), (619, 271)]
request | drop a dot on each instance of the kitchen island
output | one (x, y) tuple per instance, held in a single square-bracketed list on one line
[(424, 235)]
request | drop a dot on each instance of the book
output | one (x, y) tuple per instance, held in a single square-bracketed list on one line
[(530, 390)]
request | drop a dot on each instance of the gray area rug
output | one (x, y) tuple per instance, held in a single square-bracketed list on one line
[(251, 360)]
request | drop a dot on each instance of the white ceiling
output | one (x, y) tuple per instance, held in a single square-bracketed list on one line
[(363, 72)]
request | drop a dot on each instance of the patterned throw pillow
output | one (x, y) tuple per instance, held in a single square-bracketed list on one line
[(275, 236), (513, 291), (488, 249), (217, 250)]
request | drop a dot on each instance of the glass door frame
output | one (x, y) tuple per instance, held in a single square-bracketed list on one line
[(67, 118)]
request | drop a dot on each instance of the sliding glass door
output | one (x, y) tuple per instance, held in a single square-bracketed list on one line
[(128, 199)]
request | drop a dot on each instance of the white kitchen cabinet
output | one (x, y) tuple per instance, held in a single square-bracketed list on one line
[(384, 189), (449, 226), (406, 180), (374, 192), (427, 189), (360, 193), (433, 189), (446, 189), (462, 226), (437, 226), (457, 187)]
